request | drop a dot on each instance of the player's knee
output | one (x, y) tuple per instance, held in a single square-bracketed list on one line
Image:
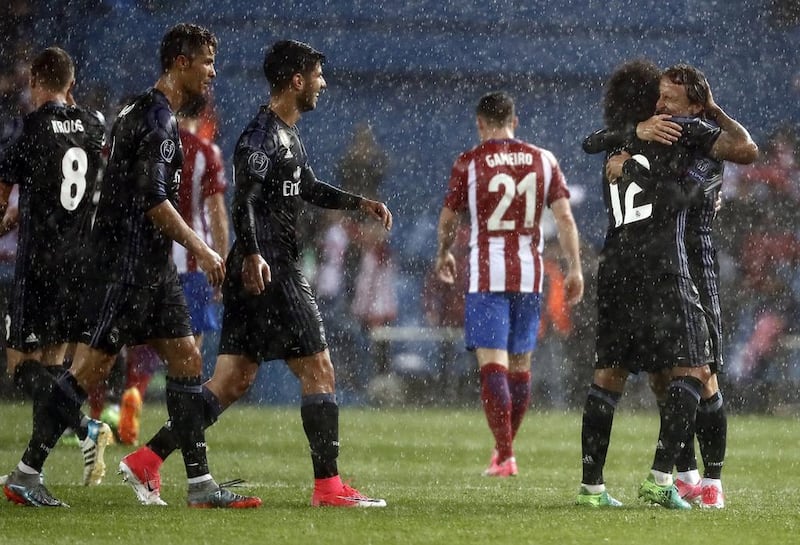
[(659, 383), (612, 378), (238, 385), (318, 380)]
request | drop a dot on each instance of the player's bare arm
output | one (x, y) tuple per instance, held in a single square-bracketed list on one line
[(10, 215), (445, 261), (377, 210), (569, 241), (218, 223), (169, 221), (735, 143), (10, 221), (659, 129)]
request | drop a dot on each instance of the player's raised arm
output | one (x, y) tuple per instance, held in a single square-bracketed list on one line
[(735, 143)]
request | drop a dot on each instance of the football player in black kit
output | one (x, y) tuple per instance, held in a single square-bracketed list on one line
[(270, 312), (133, 295), (55, 155), (646, 257)]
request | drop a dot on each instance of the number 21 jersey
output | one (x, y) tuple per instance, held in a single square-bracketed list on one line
[(504, 185)]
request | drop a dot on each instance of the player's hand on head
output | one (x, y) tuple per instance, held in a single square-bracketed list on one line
[(379, 211), (711, 108), (256, 274), (213, 265), (659, 129)]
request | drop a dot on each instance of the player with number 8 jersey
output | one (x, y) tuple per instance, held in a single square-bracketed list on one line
[(56, 158)]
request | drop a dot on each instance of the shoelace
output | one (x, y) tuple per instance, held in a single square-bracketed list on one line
[(232, 483)]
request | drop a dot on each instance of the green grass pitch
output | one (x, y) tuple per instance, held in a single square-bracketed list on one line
[(427, 464)]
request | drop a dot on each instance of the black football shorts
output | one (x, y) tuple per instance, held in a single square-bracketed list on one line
[(649, 323), (280, 323), (115, 315)]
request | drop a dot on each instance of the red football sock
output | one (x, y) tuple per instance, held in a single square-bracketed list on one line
[(97, 400), (142, 363), (519, 384), (496, 400)]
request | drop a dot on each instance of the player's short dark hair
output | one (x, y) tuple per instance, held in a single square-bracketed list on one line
[(184, 39), (53, 68), (496, 107), (631, 93), (287, 58), (692, 79)]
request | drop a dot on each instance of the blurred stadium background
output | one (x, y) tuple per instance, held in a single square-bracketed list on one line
[(413, 71)]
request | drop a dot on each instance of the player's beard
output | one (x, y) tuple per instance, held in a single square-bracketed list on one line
[(307, 102)]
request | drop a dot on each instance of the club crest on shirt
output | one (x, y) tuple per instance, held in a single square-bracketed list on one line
[(286, 141), (258, 162), (168, 150)]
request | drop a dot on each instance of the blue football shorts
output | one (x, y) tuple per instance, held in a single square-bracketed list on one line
[(502, 320), (198, 293)]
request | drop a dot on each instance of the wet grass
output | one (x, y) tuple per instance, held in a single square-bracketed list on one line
[(427, 464)]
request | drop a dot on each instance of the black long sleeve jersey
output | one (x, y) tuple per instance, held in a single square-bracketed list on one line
[(272, 179), (55, 155), (144, 170), (650, 212)]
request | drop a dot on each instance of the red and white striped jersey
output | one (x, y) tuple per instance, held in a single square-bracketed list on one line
[(504, 184), (203, 175)]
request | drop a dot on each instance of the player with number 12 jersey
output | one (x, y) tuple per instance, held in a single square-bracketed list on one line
[(505, 184), (55, 157)]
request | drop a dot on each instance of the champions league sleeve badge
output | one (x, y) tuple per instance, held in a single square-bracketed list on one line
[(258, 163), (168, 150)]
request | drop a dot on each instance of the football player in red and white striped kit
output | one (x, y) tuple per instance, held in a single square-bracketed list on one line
[(503, 185)]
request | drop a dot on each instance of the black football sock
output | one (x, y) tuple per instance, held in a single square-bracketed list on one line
[(320, 415), (677, 426), (687, 460), (712, 434), (164, 442), (598, 417), (58, 410), (80, 421), (34, 381), (185, 407)]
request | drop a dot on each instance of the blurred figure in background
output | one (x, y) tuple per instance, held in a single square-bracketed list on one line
[(363, 166), (443, 307), (762, 214), (338, 251), (555, 327), (375, 299)]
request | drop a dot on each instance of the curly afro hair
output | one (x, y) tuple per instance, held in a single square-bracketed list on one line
[(631, 93)]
